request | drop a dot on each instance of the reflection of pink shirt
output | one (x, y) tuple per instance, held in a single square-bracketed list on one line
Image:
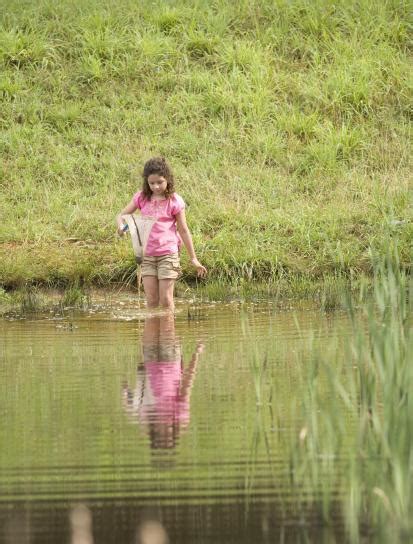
[(163, 238), (168, 405)]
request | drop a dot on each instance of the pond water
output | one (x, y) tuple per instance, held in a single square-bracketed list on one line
[(121, 426)]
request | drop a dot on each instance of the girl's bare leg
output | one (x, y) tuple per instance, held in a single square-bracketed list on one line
[(151, 288), (166, 294)]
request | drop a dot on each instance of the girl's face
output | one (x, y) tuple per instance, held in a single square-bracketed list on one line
[(157, 184)]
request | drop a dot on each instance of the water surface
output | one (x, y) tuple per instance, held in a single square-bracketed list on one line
[(118, 425)]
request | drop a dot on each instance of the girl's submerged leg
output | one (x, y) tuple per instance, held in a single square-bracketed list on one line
[(151, 288), (166, 293)]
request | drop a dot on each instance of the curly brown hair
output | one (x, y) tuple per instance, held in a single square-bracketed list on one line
[(158, 165)]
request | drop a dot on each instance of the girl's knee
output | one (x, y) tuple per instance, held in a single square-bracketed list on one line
[(167, 302), (166, 293)]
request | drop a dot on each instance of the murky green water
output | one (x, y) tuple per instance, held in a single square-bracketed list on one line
[(112, 419)]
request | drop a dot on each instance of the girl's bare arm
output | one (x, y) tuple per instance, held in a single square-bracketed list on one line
[(130, 208), (187, 240)]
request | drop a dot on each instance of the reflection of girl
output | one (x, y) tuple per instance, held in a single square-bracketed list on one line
[(162, 393)]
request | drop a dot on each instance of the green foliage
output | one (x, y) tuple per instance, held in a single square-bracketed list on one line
[(29, 299), (75, 296), (4, 296)]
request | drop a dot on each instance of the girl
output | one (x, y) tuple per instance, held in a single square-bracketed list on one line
[(160, 266)]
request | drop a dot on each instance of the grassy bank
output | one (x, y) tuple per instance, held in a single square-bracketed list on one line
[(287, 124)]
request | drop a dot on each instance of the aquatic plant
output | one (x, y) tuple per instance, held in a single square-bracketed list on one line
[(74, 295), (29, 299), (355, 448)]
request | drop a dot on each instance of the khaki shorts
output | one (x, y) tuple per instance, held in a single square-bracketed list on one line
[(161, 353), (164, 267)]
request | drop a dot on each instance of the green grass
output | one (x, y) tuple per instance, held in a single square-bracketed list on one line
[(287, 124), (30, 299)]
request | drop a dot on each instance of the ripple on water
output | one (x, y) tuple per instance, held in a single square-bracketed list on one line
[(120, 408)]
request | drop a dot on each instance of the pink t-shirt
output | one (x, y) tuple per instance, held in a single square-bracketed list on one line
[(168, 405), (164, 238)]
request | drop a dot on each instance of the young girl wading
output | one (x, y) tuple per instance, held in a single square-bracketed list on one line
[(160, 266)]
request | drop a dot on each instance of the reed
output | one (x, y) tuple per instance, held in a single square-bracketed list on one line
[(75, 296), (355, 448), (29, 300)]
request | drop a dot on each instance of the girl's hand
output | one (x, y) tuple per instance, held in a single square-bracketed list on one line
[(201, 271), (122, 228)]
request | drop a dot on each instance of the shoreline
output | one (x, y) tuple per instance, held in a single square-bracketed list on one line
[(101, 264), (328, 294)]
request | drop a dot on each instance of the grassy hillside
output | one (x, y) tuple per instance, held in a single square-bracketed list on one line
[(286, 122)]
